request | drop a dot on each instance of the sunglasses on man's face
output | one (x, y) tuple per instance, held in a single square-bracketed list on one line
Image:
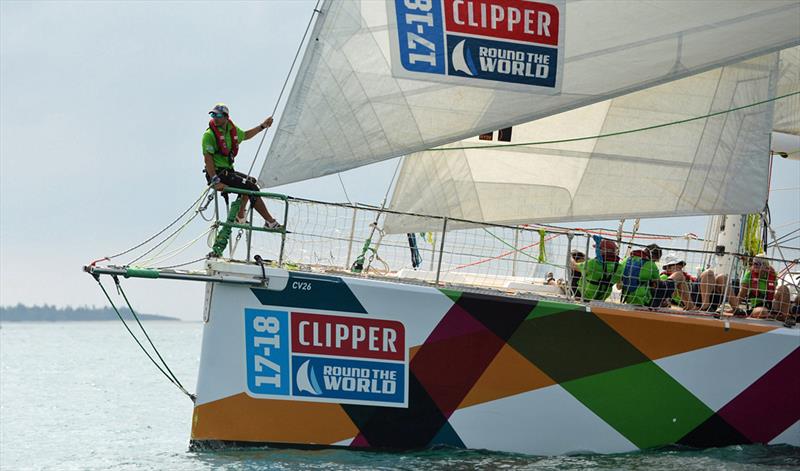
[(218, 115)]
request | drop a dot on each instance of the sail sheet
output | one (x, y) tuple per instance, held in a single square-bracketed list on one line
[(715, 165), (787, 111), (353, 102)]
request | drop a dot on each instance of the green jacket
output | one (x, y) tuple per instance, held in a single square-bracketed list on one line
[(637, 274), (598, 278)]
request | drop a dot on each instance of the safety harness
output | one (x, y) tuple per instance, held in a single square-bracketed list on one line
[(222, 146)]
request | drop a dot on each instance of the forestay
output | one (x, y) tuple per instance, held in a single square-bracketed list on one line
[(352, 102), (716, 165)]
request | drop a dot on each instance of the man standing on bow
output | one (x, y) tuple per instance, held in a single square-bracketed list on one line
[(220, 146)]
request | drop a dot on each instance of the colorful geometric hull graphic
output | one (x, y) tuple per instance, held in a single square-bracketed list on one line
[(510, 374)]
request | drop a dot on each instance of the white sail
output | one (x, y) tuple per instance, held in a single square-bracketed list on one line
[(787, 112), (716, 165), (353, 103)]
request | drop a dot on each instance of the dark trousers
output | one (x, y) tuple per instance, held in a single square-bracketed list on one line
[(235, 179)]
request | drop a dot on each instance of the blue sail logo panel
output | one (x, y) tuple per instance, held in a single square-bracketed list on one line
[(479, 42), (340, 378)]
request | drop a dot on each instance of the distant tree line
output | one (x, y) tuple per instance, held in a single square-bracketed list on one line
[(22, 313)]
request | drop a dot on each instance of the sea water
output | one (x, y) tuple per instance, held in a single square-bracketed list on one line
[(82, 396)]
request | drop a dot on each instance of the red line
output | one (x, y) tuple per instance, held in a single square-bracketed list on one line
[(505, 254)]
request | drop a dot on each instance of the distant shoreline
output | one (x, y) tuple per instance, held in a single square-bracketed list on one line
[(22, 313)]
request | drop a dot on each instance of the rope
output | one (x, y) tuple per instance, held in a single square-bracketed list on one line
[(286, 81), (109, 257), (169, 239), (153, 260), (618, 133), (633, 234), (506, 254), (171, 376), (182, 264)]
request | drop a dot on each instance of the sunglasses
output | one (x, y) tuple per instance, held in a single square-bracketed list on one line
[(218, 115)]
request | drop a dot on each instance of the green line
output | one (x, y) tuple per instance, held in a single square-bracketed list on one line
[(618, 133), (521, 250)]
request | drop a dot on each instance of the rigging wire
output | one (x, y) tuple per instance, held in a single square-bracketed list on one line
[(286, 81), (171, 376), (617, 133), (146, 241), (156, 259), (182, 264), (341, 182)]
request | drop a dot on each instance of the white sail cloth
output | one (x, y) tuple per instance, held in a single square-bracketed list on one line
[(716, 165), (787, 112), (346, 109)]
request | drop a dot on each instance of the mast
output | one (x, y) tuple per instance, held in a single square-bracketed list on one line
[(729, 240)]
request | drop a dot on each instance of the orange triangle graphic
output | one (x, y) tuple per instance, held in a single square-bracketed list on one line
[(508, 374), (244, 418), (659, 335)]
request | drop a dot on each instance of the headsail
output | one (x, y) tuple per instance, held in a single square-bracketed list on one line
[(347, 108), (787, 112), (715, 165)]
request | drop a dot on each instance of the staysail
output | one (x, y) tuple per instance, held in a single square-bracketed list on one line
[(715, 165), (379, 79)]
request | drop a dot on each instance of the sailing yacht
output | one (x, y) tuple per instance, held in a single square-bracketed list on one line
[(511, 116)]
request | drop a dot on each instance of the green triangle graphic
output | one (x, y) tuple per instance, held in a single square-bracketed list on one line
[(452, 294), (548, 308)]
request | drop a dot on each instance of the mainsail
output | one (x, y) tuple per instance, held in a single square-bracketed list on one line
[(349, 105), (715, 165)]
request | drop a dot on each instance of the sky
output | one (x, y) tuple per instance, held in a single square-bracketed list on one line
[(102, 107)]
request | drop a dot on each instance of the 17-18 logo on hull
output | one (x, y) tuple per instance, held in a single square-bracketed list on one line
[(327, 358)]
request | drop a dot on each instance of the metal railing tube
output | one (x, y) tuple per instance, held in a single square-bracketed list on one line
[(283, 233), (441, 251), (516, 252), (249, 231), (350, 239), (568, 267)]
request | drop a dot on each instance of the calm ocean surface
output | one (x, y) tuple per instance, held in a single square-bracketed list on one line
[(82, 396)]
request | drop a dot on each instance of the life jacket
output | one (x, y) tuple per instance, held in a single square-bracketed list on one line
[(604, 282), (630, 273), (755, 285), (222, 147)]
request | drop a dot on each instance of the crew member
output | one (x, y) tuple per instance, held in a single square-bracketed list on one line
[(220, 146)]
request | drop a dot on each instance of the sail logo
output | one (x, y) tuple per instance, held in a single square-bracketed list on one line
[(325, 358), (515, 44), (354, 380)]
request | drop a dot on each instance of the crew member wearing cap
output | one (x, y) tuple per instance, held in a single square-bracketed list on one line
[(220, 146), (641, 283), (682, 295), (760, 291), (598, 274)]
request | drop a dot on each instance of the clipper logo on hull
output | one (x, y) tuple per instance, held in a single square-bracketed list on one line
[(480, 42), (325, 358)]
